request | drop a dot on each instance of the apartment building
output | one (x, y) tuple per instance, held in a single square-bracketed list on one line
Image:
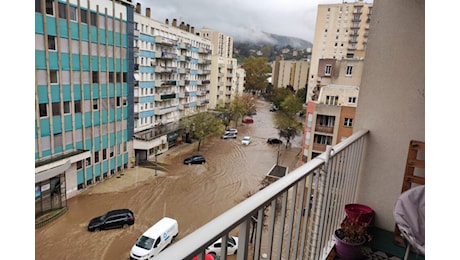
[(290, 72), (335, 75), (172, 77), (224, 81), (83, 96)]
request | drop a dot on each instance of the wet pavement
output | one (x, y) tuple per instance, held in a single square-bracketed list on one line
[(192, 194)]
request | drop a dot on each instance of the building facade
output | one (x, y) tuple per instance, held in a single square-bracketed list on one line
[(335, 75), (83, 96), (292, 73), (172, 79)]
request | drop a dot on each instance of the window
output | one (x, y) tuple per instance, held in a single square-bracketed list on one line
[(96, 156), (51, 42), (56, 107), (53, 77), (349, 70), (62, 10), (125, 101), (95, 77), (49, 7), (328, 70), (323, 139), (95, 104), (83, 16), (79, 165), (43, 110), (111, 151), (348, 122), (352, 100), (118, 101), (332, 100), (104, 154), (93, 17), (38, 6), (73, 13), (66, 107), (88, 161), (77, 106)]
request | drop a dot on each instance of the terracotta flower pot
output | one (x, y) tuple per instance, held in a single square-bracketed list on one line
[(347, 250)]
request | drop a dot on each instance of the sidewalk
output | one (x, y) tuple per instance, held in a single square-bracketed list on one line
[(130, 178)]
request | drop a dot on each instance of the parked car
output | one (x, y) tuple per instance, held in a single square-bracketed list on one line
[(246, 140), (195, 159), (228, 136), (274, 141), (119, 218), (208, 257), (248, 120), (231, 130), (216, 247)]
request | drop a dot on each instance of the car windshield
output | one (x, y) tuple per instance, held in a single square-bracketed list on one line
[(145, 242)]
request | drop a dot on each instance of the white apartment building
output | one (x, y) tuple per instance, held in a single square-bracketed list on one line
[(290, 72)]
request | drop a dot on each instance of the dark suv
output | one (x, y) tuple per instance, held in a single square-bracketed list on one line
[(113, 219)]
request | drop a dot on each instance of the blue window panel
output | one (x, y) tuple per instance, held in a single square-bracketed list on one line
[(88, 143), (146, 99), (55, 93), (84, 32), (111, 90), (40, 59), (89, 173), (78, 121), (97, 145), (95, 90), (125, 157), (57, 129), (105, 142), (65, 61), (42, 94), (146, 38), (75, 62), (112, 138), (112, 163), (66, 93), (118, 93), (87, 92), (63, 28), (85, 61), (125, 65), (79, 145), (117, 39), (97, 169), (87, 119), (80, 177), (74, 30), (105, 165), (58, 150), (123, 41), (69, 147), (68, 123), (126, 90), (102, 35), (110, 37), (95, 63), (119, 114), (112, 115), (96, 120), (93, 34), (53, 60), (39, 23), (103, 90), (51, 25), (118, 65), (144, 69), (104, 116), (103, 64), (46, 153), (45, 126), (110, 64), (36, 156), (147, 84), (76, 92), (119, 140)]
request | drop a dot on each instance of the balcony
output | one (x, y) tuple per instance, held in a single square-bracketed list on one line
[(279, 222)]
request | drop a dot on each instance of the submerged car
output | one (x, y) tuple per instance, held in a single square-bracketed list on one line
[(216, 247), (228, 136), (119, 218), (246, 140), (231, 131), (248, 120), (274, 141), (195, 159)]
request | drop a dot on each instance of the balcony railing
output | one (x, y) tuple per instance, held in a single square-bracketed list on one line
[(292, 218)]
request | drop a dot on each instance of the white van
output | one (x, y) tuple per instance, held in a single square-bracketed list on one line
[(155, 239)]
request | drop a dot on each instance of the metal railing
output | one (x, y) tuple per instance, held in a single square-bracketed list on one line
[(292, 218)]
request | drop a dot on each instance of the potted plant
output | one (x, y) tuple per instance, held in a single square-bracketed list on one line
[(350, 238)]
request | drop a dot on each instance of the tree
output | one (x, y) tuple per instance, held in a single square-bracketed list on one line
[(286, 121), (291, 105), (302, 94), (201, 125), (241, 106), (257, 72)]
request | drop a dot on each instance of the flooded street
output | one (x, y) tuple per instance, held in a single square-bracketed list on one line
[(192, 194)]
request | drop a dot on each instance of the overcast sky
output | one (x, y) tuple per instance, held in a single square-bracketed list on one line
[(241, 18)]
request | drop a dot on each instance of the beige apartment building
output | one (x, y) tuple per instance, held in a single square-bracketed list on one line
[(225, 84), (335, 75), (290, 72)]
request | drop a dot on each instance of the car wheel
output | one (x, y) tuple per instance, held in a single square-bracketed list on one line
[(203, 162), (97, 230), (235, 252), (189, 163), (125, 225)]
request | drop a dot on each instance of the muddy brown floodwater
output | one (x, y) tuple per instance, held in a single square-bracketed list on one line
[(192, 194)]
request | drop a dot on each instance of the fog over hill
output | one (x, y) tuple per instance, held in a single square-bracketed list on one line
[(264, 38)]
